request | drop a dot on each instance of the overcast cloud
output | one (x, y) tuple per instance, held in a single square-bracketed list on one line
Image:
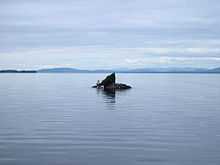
[(109, 33)]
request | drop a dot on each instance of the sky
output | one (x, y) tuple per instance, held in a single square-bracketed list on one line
[(98, 34)]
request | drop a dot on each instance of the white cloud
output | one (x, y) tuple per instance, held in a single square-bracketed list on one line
[(102, 57), (167, 61)]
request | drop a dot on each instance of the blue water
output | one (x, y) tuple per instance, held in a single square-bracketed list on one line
[(165, 119)]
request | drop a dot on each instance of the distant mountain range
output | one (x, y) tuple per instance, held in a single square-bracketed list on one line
[(74, 70), (141, 70)]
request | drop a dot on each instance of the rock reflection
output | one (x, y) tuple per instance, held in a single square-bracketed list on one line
[(109, 96)]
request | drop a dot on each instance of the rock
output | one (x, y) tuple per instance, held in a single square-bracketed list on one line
[(122, 86), (109, 84), (109, 80)]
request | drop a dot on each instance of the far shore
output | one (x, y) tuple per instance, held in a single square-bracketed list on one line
[(133, 71)]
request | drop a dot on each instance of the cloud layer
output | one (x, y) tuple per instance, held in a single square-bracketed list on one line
[(116, 33)]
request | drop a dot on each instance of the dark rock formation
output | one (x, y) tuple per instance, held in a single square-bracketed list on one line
[(122, 86), (109, 84)]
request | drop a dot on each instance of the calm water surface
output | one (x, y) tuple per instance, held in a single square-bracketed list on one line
[(166, 119)]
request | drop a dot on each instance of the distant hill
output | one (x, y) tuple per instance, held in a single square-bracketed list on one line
[(168, 70), (140, 70), (62, 70)]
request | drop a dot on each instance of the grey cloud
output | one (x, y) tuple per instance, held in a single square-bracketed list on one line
[(51, 24)]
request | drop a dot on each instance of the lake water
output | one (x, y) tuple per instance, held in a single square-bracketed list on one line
[(165, 119)]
